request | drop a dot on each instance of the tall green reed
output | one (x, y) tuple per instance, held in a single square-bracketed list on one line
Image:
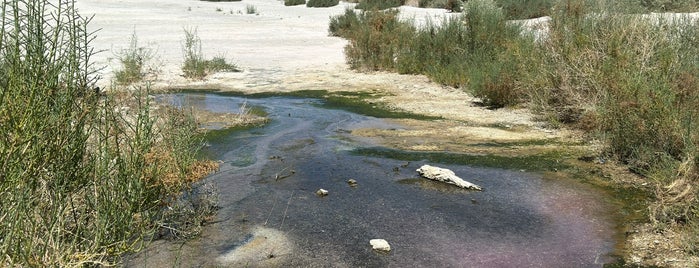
[(78, 182)]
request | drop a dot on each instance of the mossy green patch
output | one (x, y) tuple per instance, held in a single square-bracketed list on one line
[(355, 102), (545, 162)]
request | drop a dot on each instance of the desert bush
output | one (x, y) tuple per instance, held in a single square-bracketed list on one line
[(78, 185), (637, 77), (451, 5), (518, 9), (343, 25), (379, 4), (195, 66), (670, 5), (250, 9), (133, 60), (495, 49), (451, 53), (377, 40), (631, 81), (294, 2), (322, 3), (440, 51)]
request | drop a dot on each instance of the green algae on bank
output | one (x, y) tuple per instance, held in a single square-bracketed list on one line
[(355, 102), (551, 161)]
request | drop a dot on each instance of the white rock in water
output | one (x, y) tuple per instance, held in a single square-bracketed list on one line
[(322, 192), (445, 175), (380, 244)]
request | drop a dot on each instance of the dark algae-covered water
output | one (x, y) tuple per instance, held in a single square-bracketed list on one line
[(270, 215)]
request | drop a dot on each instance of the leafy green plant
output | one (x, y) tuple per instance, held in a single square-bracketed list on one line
[(294, 2), (322, 3)]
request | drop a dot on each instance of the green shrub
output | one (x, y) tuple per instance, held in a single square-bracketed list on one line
[(670, 5), (79, 182), (322, 3), (195, 66), (343, 25), (133, 60), (451, 5), (526, 9), (630, 81), (250, 9), (377, 40), (379, 4), (634, 82), (454, 53), (294, 2)]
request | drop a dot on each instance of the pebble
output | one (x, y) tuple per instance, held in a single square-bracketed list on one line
[(322, 192), (380, 245)]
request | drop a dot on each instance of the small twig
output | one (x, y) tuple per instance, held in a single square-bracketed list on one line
[(278, 177), (270, 211), (285, 210)]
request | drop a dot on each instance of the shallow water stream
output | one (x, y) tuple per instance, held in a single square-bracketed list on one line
[(270, 215)]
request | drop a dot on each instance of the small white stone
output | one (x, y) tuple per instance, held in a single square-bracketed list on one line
[(322, 192), (380, 244)]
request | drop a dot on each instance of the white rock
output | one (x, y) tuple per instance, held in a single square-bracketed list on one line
[(445, 175), (322, 192), (380, 244)]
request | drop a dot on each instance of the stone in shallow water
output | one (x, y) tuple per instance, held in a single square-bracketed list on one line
[(322, 192), (380, 245), (445, 175)]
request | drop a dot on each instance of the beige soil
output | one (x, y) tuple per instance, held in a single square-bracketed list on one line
[(284, 49)]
